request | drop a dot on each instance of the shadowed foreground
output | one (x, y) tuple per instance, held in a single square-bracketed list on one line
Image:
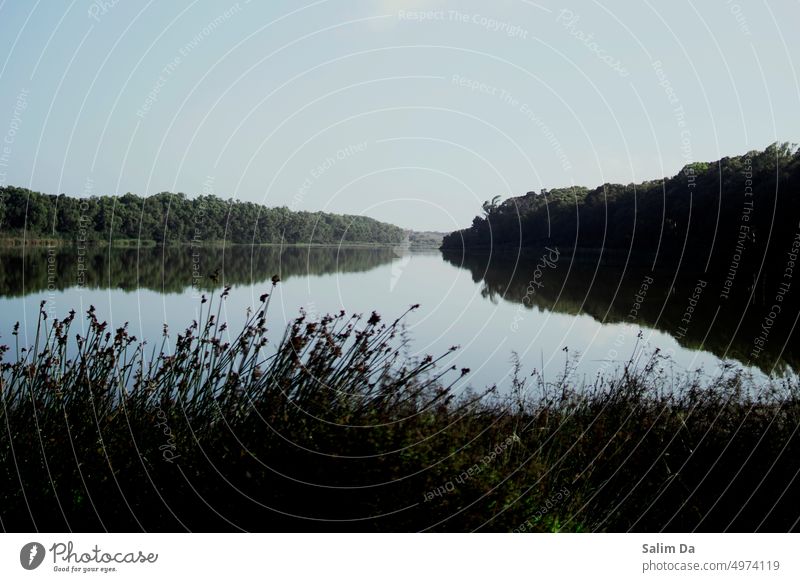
[(338, 429)]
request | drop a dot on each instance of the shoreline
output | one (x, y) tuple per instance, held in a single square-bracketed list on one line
[(126, 243)]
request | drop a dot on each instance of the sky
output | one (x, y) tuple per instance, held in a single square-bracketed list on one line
[(409, 111)]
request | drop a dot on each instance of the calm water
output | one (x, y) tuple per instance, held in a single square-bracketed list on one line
[(536, 304)]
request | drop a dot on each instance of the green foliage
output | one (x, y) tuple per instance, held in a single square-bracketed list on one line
[(174, 218), (699, 208), (425, 239)]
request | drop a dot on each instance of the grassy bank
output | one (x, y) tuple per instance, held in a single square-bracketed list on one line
[(338, 429)]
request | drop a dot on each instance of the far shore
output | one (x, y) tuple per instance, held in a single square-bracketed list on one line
[(128, 243)]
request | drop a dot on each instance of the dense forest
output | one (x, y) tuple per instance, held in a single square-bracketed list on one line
[(708, 211), (425, 239), (175, 218)]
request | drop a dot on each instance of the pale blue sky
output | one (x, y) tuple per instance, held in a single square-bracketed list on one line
[(419, 119)]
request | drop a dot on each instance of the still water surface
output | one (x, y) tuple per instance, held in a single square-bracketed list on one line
[(544, 304)]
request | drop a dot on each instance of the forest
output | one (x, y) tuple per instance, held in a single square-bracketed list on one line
[(739, 206), (168, 218)]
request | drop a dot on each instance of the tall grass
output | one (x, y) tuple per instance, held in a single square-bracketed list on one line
[(337, 428)]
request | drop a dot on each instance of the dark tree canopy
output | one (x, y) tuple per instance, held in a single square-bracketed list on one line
[(175, 218), (699, 213)]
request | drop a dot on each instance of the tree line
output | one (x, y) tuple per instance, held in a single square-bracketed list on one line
[(739, 206), (175, 218)]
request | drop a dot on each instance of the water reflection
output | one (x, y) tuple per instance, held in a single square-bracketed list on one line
[(173, 269), (693, 306), (490, 306)]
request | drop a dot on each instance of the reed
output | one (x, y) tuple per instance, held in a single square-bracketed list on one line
[(337, 428)]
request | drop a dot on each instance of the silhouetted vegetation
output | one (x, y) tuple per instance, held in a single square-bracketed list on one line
[(337, 429), (175, 218), (733, 225), (703, 215)]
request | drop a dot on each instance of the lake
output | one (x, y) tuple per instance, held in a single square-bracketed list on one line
[(553, 307)]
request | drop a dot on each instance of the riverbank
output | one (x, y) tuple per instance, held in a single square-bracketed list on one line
[(337, 429)]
